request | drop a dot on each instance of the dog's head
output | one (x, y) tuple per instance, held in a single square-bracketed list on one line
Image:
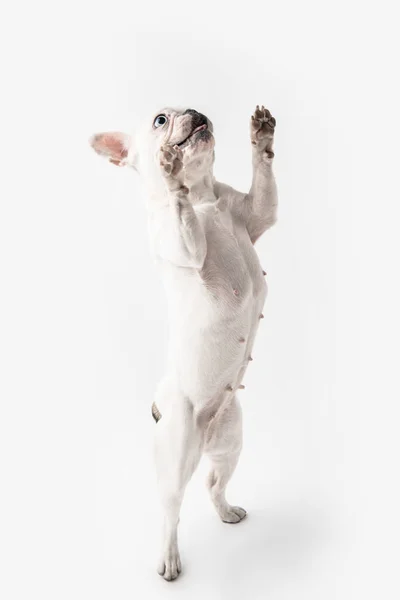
[(188, 129)]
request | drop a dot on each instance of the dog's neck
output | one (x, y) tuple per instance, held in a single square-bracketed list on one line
[(201, 190)]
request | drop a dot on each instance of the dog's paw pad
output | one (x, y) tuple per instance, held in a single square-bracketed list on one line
[(262, 125), (171, 160)]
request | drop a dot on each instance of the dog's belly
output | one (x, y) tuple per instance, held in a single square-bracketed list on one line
[(214, 316), (212, 360)]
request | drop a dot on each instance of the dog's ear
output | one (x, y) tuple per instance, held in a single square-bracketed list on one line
[(114, 145)]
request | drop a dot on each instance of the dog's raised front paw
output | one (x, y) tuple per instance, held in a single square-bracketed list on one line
[(233, 514), (262, 127), (171, 166), (171, 160), (170, 565)]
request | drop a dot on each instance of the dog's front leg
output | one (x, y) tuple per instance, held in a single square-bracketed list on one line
[(262, 199), (181, 238)]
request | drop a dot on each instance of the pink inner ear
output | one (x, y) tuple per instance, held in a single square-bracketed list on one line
[(111, 145)]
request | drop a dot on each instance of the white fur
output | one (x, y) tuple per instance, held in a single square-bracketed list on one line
[(202, 233)]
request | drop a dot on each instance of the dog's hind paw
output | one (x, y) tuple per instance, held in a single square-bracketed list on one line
[(170, 565), (233, 514)]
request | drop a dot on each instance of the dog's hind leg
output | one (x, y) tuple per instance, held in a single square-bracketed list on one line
[(223, 446), (178, 449)]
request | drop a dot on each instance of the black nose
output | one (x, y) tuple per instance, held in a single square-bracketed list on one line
[(197, 118)]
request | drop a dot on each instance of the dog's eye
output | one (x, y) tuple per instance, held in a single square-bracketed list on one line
[(160, 121)]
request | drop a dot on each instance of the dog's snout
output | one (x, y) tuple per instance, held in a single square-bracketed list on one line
[(197, 118)]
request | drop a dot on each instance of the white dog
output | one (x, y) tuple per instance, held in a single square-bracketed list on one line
[(203, 234)]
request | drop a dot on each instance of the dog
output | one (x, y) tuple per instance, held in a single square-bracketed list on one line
[(202, 233)]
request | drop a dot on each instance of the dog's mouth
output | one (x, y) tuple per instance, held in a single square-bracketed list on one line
[(185, 142)]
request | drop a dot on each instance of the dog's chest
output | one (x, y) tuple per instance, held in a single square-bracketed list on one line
[(223, 220), (232, 269)]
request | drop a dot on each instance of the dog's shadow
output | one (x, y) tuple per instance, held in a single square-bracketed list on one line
[(251, 558)]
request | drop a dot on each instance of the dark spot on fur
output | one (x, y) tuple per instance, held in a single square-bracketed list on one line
[(155, 412), (197, 118)]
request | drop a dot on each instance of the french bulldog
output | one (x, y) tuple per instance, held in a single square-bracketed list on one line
[(202, 233)]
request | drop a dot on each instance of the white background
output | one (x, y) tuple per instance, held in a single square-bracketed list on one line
[(83, 330)]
